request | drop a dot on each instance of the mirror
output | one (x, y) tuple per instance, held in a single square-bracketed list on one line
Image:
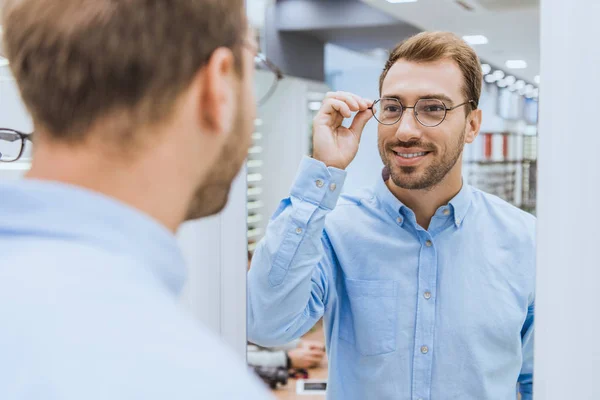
[(413, 262)]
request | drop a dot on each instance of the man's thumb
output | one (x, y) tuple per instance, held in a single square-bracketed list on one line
[(360, 120)]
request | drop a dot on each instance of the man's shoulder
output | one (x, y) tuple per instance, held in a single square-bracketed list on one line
[(128, 335), (355, 200), (502, 210)]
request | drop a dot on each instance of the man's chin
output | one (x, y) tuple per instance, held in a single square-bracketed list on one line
[(410, 178), (207, 205)]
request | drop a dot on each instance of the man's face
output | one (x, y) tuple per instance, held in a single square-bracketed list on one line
[(439, 148), (211, 197)]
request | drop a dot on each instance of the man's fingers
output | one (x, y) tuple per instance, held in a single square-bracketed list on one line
[(355, 102), (333, 106), (359, 122)]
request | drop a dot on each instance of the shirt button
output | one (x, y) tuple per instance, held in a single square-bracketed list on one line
[(446, 212), (332, 187), (319, 183), (428, 243), (457, 222), (298, 230), (427, 295), (424, 349), (399, 220)]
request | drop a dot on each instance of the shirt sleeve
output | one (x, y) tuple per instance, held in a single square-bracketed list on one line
[(290, 274), (526, 376)]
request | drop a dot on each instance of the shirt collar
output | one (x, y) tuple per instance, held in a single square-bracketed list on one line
[(55, 210), (460, 204)]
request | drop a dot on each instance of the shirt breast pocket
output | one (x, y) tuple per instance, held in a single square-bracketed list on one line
[(368, 318)]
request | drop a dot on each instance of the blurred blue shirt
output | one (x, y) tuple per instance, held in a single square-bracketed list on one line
[(89, 309), (444, 313)]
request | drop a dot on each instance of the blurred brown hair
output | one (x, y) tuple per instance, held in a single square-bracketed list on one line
[(81, 62), (434, 46)]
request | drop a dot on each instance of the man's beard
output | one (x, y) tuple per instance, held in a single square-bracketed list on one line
[(211, 196), (405, 177)]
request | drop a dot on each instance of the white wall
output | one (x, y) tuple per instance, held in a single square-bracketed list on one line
[(287, 135), (567, 350), (215, 252)]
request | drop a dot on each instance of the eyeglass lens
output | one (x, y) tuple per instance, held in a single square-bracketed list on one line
[(11, 146), (265, 80)]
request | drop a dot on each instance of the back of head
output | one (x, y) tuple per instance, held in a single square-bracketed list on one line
[(81, 62), (434, 46)]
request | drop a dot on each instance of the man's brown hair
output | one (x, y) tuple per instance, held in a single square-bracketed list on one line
[(79, 62), (434, 46)]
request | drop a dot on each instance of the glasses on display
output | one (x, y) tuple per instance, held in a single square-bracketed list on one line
[(12, 144), (428, 112), (265, 85)]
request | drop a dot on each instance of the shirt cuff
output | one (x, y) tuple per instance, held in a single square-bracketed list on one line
[(317, 183)]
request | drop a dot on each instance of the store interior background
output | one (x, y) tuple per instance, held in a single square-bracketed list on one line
[(330, 45), (355, 36)]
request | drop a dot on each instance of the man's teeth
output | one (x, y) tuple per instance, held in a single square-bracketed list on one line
[(412, 155)]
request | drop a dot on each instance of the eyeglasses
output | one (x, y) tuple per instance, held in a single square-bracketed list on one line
[(12, 144), (266, 82), (428, 112)]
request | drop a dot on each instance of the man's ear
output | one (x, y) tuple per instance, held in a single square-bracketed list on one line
[(217, 92), (473, 126)]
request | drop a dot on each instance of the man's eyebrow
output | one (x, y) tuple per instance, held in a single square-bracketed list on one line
[(439, 96)]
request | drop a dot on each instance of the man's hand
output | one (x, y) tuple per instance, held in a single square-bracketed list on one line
[(311, 344), (307, 355), (334, 144)]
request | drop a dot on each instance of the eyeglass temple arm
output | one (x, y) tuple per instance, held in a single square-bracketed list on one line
[(462, 104), (274, 68), (13, 136)]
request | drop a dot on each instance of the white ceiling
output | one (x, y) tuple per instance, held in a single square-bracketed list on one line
[(511, 26)]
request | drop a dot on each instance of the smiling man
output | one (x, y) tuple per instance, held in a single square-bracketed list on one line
[(426, 284)]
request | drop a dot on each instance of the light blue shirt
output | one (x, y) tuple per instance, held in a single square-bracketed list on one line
[(444, 313), (89, 309)]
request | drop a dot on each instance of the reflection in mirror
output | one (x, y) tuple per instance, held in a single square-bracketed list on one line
[(392, 242)]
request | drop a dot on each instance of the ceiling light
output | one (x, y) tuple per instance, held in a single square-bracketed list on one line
[(516, 64), (490, 78), (3, 62), (510, 80), (520, 84), (475, 39), (537, 79), (512, 87), (499, 74), (522, 91), (536, 93), (502, 83), (401, 1), (485, 68)]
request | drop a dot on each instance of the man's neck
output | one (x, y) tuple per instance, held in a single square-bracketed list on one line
[(134, 184), (425, 203)]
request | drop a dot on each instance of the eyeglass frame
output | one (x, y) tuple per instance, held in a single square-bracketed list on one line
[(271, 67), (446, 110), (278, 76), (22, 137)]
